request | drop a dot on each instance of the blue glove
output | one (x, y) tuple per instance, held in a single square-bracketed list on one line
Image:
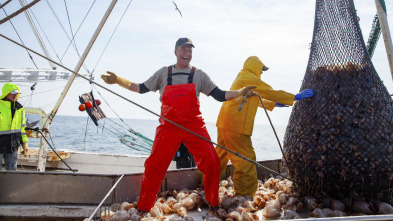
[(281, 105), (304, 94)]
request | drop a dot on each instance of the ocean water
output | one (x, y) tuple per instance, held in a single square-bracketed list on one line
[(81, 134)]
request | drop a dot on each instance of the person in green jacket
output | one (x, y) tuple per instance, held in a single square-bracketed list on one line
[(12, 126), (234, 128)]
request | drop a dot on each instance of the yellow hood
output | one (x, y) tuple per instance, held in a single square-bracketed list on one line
[(254, 65), (7, 88)]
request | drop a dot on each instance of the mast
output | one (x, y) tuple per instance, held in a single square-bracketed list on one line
[(43, 149), (381, 10)]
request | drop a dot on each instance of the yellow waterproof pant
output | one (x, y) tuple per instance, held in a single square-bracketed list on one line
[(245, 174)]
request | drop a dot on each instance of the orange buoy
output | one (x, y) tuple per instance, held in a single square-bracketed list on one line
[(98, 102), (82, 107), (89, 104)]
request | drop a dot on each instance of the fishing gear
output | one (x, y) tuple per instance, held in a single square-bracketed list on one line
[(146, 109)]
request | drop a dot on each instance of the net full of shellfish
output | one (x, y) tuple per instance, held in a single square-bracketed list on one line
[(340, 143)]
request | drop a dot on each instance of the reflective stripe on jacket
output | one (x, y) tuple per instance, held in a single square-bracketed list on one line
[(243, 121)]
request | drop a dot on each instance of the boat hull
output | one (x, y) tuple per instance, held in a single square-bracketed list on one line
[(75, 195)]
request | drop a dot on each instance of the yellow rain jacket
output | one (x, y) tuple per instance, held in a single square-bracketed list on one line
[(243, 121), (234, 128), (12, 130)]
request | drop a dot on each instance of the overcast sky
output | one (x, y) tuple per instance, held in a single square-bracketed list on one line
[(225, 33)]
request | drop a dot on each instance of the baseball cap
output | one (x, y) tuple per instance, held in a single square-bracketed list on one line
[(265, 68), (184, 41), (15, 92)]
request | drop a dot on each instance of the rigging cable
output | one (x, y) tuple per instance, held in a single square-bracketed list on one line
[(18, 12), (57, 88), (111, 36), (42, 30), (65, 32), (30, 98), (21, 40), (72, 34), (88, 12), (36, 33), (5, 3), (91, 77), (152, 112)]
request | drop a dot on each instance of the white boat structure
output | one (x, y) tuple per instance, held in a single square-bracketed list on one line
[(32, 75)]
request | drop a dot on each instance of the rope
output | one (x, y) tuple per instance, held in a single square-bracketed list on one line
[(148, 110), (30, 98), (274, 130), (5, 3), (84, 139), (50, 135), (19, 11), (69, 23)]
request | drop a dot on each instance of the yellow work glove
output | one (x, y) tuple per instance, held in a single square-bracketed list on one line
[(25, 147), (244, 91), (114, 79)]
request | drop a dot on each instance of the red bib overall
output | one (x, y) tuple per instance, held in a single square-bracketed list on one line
[(179, 104)]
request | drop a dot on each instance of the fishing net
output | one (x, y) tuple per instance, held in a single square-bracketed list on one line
[(128, 136), (125, 133), (339, 143), (375, 32)]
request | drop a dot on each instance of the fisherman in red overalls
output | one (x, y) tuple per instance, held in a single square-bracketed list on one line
[(179, 86)]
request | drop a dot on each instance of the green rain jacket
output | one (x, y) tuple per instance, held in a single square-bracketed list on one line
[(243, 121), (12, 131)]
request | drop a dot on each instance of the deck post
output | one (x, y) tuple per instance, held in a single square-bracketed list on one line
[(381, 10)]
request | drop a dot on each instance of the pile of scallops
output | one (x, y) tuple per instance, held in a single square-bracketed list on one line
[(274, 199)]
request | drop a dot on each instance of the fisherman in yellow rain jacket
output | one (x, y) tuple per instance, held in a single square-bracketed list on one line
[(234, 128), (12, 126)]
